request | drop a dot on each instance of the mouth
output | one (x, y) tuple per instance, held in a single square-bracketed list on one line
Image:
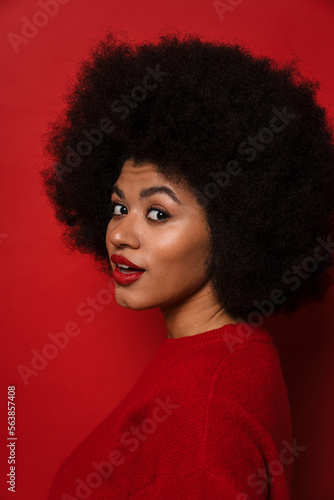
[(125, 271), (128, 270), (126, 275)]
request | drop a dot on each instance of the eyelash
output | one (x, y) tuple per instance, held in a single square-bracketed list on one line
[(166, 214)]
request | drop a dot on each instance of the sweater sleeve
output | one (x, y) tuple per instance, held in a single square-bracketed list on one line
[(246, 426), (199, 484), (240, 460)]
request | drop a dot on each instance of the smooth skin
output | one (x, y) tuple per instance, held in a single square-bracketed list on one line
[(170, 240)]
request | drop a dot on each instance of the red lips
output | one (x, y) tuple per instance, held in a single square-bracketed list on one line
[(120, 259), (125, 278)]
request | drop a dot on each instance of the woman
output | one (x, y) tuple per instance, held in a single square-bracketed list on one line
[(202, 179)]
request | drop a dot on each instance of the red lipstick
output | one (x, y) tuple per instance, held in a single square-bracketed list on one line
[(130, 274)]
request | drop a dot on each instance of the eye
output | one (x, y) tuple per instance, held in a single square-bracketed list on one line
[(161, 215), (114, 205), (165, 215)]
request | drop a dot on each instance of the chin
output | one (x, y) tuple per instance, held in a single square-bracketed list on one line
[(135, 303)]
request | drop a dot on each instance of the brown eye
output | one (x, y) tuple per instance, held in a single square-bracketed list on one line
[(161, 214), (114, 205)]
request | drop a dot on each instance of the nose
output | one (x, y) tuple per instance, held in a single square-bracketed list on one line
[(125, 231)]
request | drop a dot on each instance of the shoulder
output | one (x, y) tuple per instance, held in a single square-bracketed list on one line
[(251, 376), (248, 416)]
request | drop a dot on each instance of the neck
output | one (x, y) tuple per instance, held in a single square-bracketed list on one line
[(196, 314)]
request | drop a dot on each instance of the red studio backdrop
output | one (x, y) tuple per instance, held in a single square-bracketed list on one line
[(46, 289)]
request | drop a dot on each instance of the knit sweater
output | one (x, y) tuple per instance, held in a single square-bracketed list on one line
[(209, 418)]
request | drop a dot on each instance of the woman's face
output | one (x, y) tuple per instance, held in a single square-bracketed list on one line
[(166, 237)]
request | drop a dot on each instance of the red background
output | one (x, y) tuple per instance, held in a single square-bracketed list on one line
[(43, 284)]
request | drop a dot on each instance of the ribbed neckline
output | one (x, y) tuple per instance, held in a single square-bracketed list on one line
[(244, 331)]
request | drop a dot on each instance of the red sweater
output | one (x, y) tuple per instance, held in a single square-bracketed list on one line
[(209, 418)]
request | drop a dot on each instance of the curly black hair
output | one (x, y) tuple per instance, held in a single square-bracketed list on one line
[(246, 133)]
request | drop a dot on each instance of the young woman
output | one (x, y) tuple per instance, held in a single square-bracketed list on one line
[(201, 178)]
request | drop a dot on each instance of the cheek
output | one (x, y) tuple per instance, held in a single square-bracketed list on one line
[(180, 256)]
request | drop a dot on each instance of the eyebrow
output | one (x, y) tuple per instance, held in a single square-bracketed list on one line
[(146, 192)]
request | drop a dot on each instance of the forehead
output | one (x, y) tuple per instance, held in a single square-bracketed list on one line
[(136, 177), (131, 170), (145, 174)]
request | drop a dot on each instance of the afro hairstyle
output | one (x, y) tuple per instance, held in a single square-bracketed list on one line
[(246, 133)]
